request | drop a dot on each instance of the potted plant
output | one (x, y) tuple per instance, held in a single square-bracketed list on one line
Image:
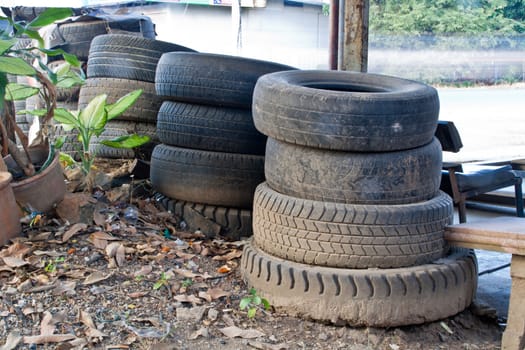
[(37, 163)]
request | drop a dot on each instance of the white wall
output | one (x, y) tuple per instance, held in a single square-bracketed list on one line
[(297, 36)]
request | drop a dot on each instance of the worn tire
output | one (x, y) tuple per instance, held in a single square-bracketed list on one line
[(127, 57), (350, 235), (116, 128), (367, 297), (144, 110), (346, 111), (235, 223), (75, 37), (216, 178), (213, 79), (210, 128), (397, 177)]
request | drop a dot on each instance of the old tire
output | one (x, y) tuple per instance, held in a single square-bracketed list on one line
[(234, 223), (216, 178), (144, 110), (346, 111), (127, 57), (213, 79), (371, 297), (350, 177), (350, 235), (210, 128)]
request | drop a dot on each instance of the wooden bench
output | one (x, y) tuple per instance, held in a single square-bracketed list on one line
[(501, 234)]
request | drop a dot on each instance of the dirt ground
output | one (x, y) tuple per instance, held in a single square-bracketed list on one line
[(119, 283)]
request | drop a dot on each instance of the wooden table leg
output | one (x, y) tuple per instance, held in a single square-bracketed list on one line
[(514, 335)]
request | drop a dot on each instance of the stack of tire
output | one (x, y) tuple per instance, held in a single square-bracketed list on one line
[(348, 226), (211, 157), (118, 64), (74, 36)]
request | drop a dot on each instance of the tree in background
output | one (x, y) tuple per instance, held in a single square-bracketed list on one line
[(424, 17)]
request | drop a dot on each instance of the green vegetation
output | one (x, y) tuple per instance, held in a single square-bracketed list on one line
[(448, 24), (252, 301)]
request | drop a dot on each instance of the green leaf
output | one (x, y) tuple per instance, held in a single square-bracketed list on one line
[(256, 300), (15, 91), (35, 35), (49, 16), (266, 304), (127, 141), (59, 142), (159, 284), (126, 101), (251, 312), (69, 58), (16, 66), (245, 302), (6, 45), (66, 118), (66, 159), (38, 112), (252, 291), (94, 116)]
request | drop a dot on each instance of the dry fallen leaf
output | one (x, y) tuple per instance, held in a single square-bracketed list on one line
[(120, 256), (183, 298), (230, 256), (95, 277), (233, 332), (73, 230), (201, 332), (92, 330), (14, 262), (144, 271), (217, 293), (12, 341), (45, 339), (224, 269)]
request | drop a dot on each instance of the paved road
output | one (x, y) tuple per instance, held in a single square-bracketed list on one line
[(491, 121)]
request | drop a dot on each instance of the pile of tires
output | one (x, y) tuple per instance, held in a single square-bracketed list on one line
[(118, 64), (211, 157), (348, 226)]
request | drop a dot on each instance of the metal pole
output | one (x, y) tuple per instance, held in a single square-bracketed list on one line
[(333, 34), (340, 34)]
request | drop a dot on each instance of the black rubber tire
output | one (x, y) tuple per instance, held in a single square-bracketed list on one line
[(350, 235), (235, 223), (204, 78), (216, 178), (75, 37), (371, 297), (397, 177), (346, 111), (116, 128), (127, 57), (144, 110), (210, 128)]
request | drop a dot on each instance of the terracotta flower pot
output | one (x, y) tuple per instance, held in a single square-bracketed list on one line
[(9, 211), (43, 190)]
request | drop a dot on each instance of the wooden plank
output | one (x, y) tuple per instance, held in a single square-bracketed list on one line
[(355, 40), (502, 234)]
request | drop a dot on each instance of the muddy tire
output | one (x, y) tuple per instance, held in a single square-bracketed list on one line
[(369, 297), (216, 178), (234, 223), (219, 80), (345, 111), (127, 57), (350, 235), (144, 110), (398, 177), (210, 128)]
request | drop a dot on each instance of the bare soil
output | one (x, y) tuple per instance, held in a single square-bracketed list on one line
[(113, 283)]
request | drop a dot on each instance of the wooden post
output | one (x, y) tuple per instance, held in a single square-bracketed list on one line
[(355, 45), (514, 335)]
